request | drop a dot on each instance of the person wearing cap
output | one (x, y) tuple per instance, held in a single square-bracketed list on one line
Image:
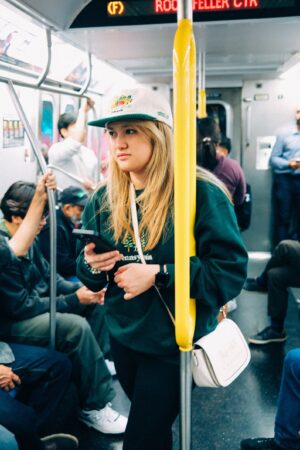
[(24, 315), (139, 124), (73, 200), (70, 154)]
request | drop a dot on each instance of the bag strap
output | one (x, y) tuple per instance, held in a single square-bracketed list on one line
[(138, 244)]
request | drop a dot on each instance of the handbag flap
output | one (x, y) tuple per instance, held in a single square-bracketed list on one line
[(226, 352)]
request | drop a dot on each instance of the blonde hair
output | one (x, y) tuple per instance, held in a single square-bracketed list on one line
[(156, 202)]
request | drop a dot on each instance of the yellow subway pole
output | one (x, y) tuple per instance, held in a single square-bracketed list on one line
[(184, 67)]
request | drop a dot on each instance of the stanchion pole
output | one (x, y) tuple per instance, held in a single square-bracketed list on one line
[(184, 66)]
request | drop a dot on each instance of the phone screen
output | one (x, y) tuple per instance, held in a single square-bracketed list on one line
[(87, 236)]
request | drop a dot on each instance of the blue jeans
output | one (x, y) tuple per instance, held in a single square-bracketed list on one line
[(7, 439), (287, 422), (44, 377)]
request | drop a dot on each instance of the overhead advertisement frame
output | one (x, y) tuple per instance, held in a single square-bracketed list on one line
[(99, 13)]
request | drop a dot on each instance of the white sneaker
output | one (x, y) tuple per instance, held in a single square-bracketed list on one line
[(105, 420), (231, 305), (111, 367), (60, 442)]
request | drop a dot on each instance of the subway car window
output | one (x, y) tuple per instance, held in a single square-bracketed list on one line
[(218, 113), (47, 128)]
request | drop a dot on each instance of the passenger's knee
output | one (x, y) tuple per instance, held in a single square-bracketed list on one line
[(292, 363), (73, 328), (273, 275), (61, 363), (7, 439)]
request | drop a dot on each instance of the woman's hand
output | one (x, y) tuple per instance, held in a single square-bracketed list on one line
[(8, 379), (101, 261), (136, 278)]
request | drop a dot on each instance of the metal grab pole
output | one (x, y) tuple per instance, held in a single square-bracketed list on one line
[(68, 174), (184, 66), (201, 113), (52, 213)]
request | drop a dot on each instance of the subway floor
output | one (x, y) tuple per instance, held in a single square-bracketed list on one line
[(220, 417)]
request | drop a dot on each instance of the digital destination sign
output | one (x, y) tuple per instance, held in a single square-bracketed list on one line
[(100, 13), (170, 6)]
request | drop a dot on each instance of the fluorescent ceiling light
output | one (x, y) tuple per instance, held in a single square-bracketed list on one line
[(291, 68)]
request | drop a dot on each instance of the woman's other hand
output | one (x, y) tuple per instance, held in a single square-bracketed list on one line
[(136, 278)]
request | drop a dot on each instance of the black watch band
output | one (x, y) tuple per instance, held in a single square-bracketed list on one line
[(162, 277)]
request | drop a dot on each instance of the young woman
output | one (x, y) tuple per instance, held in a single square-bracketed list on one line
[(139, 124)]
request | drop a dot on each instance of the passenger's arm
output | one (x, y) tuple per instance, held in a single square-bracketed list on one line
[(277, 161), (20, 301), (23, 238), (241, 188), (94, 280), (5, 253), (219, 269), (78, 131), (63, 286), (64, 150)]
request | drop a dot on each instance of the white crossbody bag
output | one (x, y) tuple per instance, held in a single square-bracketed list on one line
[(217, 358)]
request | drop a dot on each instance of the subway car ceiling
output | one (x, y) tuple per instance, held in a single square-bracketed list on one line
[(237, 48)]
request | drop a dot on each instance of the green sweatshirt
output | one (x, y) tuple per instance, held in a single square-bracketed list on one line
[(217, 274)]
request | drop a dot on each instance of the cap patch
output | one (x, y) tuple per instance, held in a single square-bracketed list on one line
[(120, 102)]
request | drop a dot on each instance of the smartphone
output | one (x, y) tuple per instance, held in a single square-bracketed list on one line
[(87, 236)]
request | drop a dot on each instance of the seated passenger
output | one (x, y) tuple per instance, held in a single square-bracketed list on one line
[(40, 378), (71, 154), (43, 375), (24, 294), (287, 421), (243, 210), (281, 272), (224, 146), (227, 170), (72, 199)]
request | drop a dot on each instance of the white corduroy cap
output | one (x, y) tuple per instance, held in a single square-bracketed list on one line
[(134, 104)]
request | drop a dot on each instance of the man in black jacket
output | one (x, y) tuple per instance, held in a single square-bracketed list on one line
[(24, 306), (72, 199)]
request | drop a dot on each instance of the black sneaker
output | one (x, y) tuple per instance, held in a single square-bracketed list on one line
[(259, 444), (251, 284), (60, 442), (267, 336)]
